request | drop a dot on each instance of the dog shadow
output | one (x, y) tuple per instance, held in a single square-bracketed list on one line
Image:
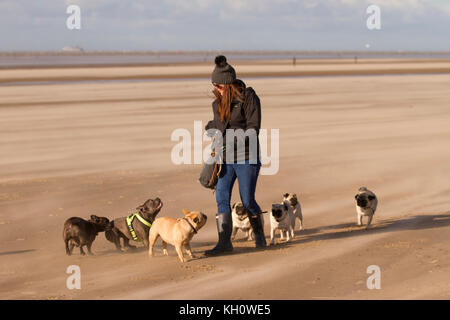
[(239, 250), (344, 230), (16, 252), (417, 222), (113, 251)]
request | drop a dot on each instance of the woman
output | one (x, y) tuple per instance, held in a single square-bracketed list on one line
[(235, 107)]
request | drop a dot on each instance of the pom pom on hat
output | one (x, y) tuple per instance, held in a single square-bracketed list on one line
[(221, 61), (223, 72)]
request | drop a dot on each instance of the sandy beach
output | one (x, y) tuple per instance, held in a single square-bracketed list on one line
[(258, 68), (103, 147)]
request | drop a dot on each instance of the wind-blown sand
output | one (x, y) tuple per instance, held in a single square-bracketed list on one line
[(260, 68), (77, 149)]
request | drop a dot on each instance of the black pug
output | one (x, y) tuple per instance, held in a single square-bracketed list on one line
[(79, 232), (119, 227)]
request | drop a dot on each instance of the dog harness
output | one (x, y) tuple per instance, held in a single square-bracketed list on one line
[(130, 226)]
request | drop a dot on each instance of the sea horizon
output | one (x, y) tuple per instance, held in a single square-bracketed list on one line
[(72, 57)]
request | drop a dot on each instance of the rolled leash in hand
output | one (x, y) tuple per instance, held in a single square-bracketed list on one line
[(209, 176), (210, 173)]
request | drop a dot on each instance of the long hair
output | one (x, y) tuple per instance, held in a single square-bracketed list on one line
[(230, 92)]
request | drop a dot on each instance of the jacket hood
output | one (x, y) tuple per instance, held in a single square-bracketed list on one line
[(246, 90), (240, 83)]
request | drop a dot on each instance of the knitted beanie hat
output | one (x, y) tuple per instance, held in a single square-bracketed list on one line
[(223, 72)]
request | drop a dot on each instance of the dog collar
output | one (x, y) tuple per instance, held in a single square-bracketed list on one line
[(190, 224), (243, 217)]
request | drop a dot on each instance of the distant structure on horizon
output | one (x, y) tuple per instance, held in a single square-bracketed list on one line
[(72, 49)]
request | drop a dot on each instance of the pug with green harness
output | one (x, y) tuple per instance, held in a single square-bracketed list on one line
[(136, 226)]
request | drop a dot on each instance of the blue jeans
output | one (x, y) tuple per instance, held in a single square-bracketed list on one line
[(247, 175)]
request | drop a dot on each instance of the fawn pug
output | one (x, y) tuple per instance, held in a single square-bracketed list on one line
[(366, 204)]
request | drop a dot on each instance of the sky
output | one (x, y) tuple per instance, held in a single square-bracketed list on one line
[(410, 25)]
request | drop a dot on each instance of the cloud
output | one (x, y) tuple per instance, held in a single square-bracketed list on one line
[(236, 24)]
